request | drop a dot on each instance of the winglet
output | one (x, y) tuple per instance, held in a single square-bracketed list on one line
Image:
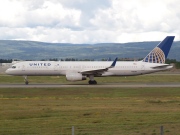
[(114, 63)]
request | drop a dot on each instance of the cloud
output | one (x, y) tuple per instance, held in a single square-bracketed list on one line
[(48, 14), (10, 12), (137, 18), (84, 21), (88, 9)]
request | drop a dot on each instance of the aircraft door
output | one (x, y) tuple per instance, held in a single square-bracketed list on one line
[(23, 67), (56, 66), (143, 67)]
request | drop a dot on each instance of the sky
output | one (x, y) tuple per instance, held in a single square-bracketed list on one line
[(89, 21)]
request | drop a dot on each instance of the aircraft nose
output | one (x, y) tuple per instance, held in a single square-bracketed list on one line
[(7, 71)]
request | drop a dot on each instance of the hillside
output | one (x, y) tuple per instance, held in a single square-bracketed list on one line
[(11, 49)]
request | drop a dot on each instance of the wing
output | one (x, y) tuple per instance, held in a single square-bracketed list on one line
[(98, 71)]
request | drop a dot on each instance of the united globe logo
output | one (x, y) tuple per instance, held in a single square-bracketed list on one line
[(155, 56)]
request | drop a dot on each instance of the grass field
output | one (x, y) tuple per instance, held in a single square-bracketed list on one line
[(93, 111)]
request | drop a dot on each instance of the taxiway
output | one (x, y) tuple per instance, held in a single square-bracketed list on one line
[(107, 85)]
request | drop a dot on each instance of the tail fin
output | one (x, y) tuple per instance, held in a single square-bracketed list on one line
[(160, 52)]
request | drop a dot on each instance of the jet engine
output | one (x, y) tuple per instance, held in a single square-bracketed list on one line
[(75, 77)]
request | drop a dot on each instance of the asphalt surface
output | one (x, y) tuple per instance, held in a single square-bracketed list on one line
[(108, 85)]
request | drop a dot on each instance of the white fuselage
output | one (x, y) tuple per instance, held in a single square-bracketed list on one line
[(47, 68)]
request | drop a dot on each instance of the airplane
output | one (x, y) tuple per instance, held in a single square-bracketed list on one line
[(81, 70)]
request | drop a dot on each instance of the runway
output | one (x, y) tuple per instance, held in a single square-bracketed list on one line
[(103, 85)]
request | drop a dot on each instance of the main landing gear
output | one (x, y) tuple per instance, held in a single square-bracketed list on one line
[(26, 80), (92, 81)]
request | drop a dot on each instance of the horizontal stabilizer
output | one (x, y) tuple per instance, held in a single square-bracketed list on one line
[(162, 66)]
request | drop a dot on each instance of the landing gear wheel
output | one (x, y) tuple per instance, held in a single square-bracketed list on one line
[(26, 82), (92, 82)]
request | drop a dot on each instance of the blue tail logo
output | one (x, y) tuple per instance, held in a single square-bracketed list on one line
[(160, 52)]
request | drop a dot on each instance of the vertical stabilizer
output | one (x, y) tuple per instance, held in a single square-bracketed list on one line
[(160, 52)]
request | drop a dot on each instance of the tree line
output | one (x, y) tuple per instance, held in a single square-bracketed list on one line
[(5, 60), (177, 63)]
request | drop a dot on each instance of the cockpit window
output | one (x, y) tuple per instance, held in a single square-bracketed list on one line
[(14, 67)]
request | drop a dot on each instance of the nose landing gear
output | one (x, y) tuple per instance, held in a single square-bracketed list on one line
[(26, 80)]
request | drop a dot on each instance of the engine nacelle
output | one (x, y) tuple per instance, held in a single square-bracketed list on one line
[(75, 77)]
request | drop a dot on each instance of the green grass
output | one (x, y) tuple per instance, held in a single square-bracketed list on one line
[(100, 111), (61, 79)]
